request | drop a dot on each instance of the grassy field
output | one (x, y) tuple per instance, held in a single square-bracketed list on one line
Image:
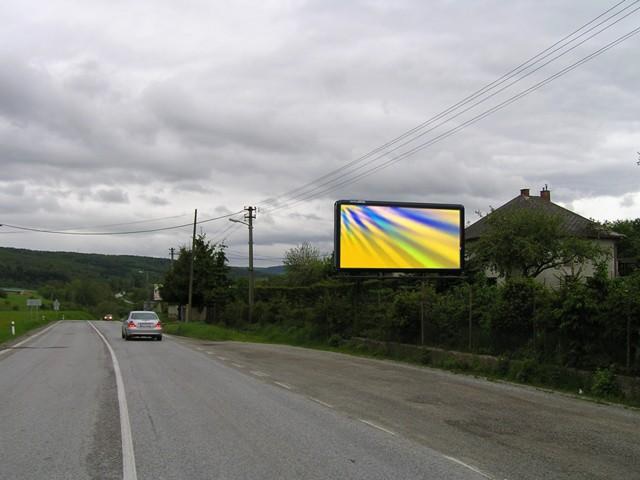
[(13, 308)]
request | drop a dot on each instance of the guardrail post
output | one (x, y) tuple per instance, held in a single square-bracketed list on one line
[(13, 328)]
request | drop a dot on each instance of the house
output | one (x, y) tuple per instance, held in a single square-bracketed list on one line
[(571, 223)]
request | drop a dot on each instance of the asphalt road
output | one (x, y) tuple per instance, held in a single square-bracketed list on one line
[(192, 415)]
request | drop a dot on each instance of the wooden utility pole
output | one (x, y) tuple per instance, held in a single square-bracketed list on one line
[(249, 217), (193, 254)]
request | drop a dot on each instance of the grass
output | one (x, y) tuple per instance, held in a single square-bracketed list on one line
[(269, 334), (524, 372), (13, 307), (25, 321), (13, 301)]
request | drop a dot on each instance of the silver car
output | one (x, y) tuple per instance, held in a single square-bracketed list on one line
[(142, 324)]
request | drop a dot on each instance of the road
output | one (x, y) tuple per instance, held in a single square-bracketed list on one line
[(209, 410)]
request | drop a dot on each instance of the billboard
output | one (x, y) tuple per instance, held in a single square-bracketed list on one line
[(395, 236)]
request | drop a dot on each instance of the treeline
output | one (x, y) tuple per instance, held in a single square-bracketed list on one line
[(584, 323), (32, 269), (581, 324)]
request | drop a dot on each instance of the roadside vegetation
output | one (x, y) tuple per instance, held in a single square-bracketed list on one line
[(13, 309), (582, 337)]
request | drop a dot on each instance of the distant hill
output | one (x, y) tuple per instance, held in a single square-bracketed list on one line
[(32, 268)]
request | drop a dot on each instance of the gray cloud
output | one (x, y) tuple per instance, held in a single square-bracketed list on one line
[(114, 195), (106, 120)]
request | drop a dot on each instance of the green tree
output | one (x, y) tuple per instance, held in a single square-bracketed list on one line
[(304, 265), (528, 242), (210, 276), (629, 245)]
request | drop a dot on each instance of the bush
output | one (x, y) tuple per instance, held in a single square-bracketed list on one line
[(425, 357), (604, 383)]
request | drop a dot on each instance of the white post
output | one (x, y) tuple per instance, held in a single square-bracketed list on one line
[(13, 328)]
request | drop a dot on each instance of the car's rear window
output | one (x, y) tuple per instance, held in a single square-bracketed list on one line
[(144, 316)]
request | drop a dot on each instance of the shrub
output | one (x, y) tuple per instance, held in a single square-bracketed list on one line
[(604, 383), (425, 357)]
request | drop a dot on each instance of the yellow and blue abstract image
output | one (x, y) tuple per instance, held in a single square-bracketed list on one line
[(397, 237)]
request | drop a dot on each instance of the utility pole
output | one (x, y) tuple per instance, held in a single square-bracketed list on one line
[(172, 251), (249, 217), (193, 254)]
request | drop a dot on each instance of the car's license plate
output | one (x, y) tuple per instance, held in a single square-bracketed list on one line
[(147, 325)]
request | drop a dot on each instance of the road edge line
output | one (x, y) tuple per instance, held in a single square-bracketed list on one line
[(128, 456), (30, 337), (379, 427), (470, 467)]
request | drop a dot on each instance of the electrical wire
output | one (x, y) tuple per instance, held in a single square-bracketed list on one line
[(559, 45), (454, 130), (148, 220), (64, 232)]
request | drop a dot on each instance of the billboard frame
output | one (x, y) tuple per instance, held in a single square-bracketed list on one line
[(380, 203)]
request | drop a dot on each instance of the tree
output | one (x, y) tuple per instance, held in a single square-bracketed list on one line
[(629, 245), (304, 265), (210, 276), (528, 242)]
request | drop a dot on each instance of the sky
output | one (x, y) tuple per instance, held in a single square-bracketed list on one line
[(120, 116)]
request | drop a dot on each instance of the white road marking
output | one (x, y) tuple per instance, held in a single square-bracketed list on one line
[(209, 353), (200, 349), (221, 358), (321, 402), (31, 337), (259, 374), (128, 457), (237, 365), (470, 467), (283, 385), (374, 425)]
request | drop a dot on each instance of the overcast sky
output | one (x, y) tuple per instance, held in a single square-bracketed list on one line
[(115, 111)]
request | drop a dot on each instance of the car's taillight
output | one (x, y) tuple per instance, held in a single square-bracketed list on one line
[(131, 324), (158, 325)]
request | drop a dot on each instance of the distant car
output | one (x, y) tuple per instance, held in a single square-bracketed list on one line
[(142, 324), (108, 316)]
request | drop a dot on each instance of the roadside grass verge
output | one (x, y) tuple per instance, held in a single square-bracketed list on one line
[(598, 387), (268, 334), (25, 321)]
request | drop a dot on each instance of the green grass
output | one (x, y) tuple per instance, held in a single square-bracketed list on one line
[(270, 334), (14, 301)]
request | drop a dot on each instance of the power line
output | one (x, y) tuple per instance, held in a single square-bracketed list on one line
[(148, 220), (309, 195), (63, 232), (300, 191)]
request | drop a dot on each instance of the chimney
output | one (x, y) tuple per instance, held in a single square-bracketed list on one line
[(545, 194), (524, 192)]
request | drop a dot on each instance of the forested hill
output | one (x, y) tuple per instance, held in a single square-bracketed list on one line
[(32, 269), (23, 268)]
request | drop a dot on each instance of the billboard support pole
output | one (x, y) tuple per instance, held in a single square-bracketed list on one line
[(470, 315), (422, 294)]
